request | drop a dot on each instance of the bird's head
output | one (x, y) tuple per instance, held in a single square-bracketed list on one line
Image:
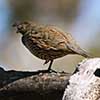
[(22, 27)]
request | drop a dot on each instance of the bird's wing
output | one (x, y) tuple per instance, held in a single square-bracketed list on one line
[(51, 38)]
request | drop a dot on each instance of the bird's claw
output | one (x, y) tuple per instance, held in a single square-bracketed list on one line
[(51, 70)]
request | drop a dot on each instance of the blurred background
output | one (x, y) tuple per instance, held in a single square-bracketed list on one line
[(81, 18)]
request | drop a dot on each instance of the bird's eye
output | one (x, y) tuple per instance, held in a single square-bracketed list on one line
[(97, 72)]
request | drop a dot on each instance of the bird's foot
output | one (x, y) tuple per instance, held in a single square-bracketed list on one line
[(46, 71), (51, 70)]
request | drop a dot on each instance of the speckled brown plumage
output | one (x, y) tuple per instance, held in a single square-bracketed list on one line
[(47, 42)]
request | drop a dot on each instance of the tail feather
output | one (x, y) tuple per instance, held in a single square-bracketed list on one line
[(77, 50), (84, 54)]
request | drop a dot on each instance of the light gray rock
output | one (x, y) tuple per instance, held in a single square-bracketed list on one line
[(85, 83)]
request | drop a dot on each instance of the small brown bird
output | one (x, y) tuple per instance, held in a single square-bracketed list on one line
[(47, 42)]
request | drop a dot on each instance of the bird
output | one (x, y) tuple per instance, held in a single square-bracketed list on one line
[(47, 42)]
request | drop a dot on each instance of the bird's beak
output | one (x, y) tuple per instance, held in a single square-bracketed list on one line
[(15, 25)]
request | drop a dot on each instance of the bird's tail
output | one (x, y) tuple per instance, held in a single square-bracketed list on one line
[(84, 53), (77, 50)]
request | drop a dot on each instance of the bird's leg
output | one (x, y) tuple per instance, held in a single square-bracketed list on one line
[(49, 68), (46, 62)]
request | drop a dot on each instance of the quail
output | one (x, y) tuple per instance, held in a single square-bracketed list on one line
[(47, 42)]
